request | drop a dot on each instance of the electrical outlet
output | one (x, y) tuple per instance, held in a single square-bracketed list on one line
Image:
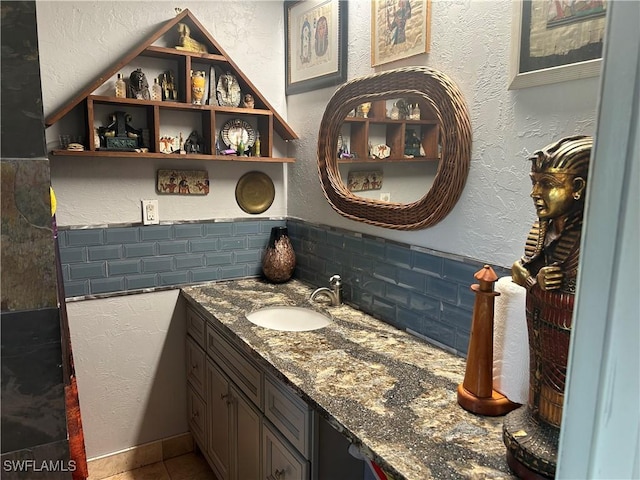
[(150, 214), (385, 197)]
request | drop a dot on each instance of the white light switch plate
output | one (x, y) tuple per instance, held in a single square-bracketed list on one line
[(150, 214)]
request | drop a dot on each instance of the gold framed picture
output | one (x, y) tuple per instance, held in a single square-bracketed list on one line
[(399, 29)]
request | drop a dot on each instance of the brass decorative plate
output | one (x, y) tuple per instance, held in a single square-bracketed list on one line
[(234, 131), (255, 192)]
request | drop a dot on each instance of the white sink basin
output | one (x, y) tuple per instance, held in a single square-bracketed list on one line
[(290, 319)]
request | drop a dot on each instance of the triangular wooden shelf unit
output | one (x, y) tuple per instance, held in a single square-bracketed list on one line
[(262, 117)]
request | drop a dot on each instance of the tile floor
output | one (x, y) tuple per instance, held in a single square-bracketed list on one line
[(191, 466)]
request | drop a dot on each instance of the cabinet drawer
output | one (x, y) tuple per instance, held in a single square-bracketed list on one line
[(281, 462), (196, 326), (239, 368), (289, 413), (196, 412), (195, 366)]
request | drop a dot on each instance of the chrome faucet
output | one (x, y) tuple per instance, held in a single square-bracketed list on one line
[(334, 293)]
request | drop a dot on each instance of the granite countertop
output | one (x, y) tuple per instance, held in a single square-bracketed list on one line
[(392, 394)]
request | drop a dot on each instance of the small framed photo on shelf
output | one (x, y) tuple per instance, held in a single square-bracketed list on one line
[(399, 29), (315, 44), (550, 44)]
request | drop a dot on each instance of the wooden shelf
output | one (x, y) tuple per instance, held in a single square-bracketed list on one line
[(361, 130), (389, 160), (188, 156), (164, 52), (264, 119)]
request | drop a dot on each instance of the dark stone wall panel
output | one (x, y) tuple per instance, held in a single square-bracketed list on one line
[(28, 277), (22, 136), (33, 408)]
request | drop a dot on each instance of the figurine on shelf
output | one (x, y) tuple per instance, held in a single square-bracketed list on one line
[(228, 90), (168, 86), (248, 101), (412, 144), (403, 109), (119, 134), (193, 143), (185, 42), (138, 86)]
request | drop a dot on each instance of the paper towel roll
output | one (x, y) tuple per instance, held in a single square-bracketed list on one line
[(510, 342)]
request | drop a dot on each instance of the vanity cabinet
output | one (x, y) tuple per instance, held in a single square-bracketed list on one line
[(363, 134), (248, 423), (234, 428), (158, 120)]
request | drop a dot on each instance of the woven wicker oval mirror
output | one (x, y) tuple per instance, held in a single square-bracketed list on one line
[(449, 136)]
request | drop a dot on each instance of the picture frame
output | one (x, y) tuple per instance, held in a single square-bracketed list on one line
[(182, 182), (399, 29), (315, 44), (549, 46)]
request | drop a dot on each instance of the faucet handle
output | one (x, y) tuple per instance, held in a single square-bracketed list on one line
[(335, 281)]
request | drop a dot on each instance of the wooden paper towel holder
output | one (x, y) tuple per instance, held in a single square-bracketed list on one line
[(476, 393)]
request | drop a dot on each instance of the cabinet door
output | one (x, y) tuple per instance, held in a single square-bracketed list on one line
[(289, 414), (195, 366), (196, 326), (281, 462), (219, 421), (197, 414), (246, 438), (242, 371)]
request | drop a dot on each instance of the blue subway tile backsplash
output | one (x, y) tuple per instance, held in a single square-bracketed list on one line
[(426, 292), (411, 288), (119, 259)]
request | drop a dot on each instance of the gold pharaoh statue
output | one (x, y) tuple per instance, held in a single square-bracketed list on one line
[(548, 271), (185, 42)]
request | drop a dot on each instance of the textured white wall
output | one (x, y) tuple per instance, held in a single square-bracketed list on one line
[(130, 364), (470, 42), (79, 40)]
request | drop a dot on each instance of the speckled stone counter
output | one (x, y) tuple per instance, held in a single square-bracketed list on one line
[(390, 393)]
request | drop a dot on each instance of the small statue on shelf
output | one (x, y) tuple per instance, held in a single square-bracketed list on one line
[(403, 109), (185, 42), (248, 101), (193, 144), (228, 90), (412, 144), (138, 86), (168, 85), (119, 134)]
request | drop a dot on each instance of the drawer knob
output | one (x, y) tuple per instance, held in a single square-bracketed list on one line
[(194, 366)]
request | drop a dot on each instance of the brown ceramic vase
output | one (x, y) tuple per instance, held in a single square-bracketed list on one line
[(279, 259)]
